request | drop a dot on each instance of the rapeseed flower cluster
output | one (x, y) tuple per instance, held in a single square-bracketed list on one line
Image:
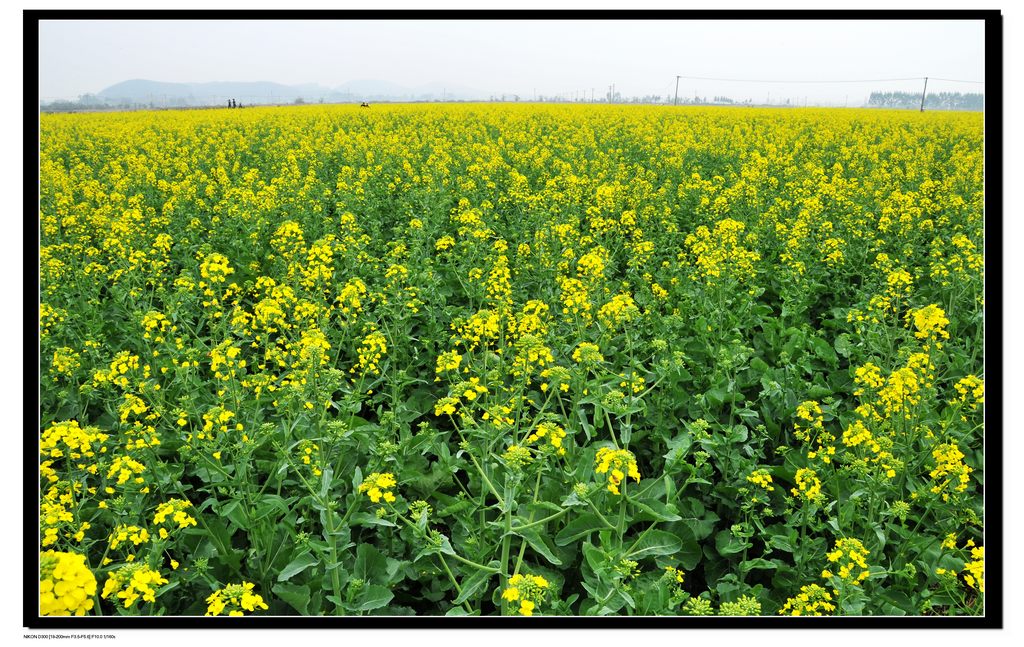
[(379, 486), (588, 354), (235, 599), (70, 441), (372, 349), (131, 582), (175, 509), (128, 533), (974, 566), (970, 392), (618, 464), (930, 322), (951, 475), (309, 453), (447, 362), (849, 556), (874, 451), (812, 600), (517, 457), (762, 479), (720, 253), (528, 590), (745, 605), (66, 585), (550, 435), (618, 312), (674, 574), (809, 427), (808, 486)]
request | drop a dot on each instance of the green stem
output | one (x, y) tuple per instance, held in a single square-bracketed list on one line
[(333, 541), (458, 589), (611, 430), (506, 544), (539, 522), (481, 567), (522, 546), (642, 535), (621, 526), (803, 534), (487, 481), (600, 516)]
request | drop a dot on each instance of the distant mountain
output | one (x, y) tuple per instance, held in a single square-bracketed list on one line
[(214, 93), (159, 93)]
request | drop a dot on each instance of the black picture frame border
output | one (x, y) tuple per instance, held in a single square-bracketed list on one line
[(994, 187)]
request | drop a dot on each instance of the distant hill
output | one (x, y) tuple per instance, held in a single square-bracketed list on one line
[(215, 93), (162, 94)]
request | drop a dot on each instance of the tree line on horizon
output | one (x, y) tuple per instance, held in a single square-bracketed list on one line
[(932, 100)]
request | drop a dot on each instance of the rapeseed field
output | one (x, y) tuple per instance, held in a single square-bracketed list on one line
[(518, 360)]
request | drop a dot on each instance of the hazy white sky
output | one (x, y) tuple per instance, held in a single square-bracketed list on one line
[(506, 56)]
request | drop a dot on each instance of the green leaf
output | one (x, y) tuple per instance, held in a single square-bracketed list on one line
[(373, 596), (597, 560), (690, 553), (656, 542), (369, 562), (757, 563), (581, 526), (699, 521), (679, 446), (843, 345), (823, 350), (897, 603), (537, 543), (234, 512), (737, 434), (221, 537), (727, 544), (472, 583), (782, 539), (269, 504), (297, 565), (749, 416), (588, 430), (325, 481), (716, 396), (367, 519), (657, 511), (297, 596)]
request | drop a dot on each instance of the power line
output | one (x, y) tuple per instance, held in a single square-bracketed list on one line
[(708, 78), (935, 78)]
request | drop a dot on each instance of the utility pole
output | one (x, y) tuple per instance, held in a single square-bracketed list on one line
[(924, 92), (676, 101)]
